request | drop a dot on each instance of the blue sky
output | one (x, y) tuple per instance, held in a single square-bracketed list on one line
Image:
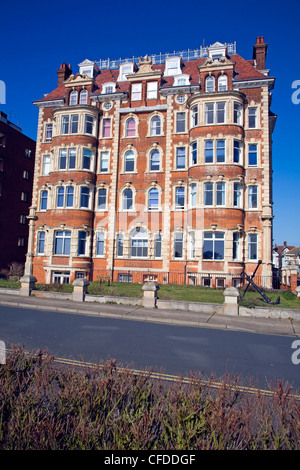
[(38, 36)]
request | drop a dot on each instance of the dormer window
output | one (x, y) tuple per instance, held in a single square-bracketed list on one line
[(181, 80), (88, 68), (125, 69), (109, 87), (172, 66), (210, 84), (217, 51)]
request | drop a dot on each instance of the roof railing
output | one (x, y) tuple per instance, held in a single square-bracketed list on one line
[(190, 54)]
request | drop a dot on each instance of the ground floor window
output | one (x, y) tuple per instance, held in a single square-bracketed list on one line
[(213, 245), (61, 277), (125, 277)]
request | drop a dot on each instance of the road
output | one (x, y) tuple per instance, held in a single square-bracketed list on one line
[(166, 348)]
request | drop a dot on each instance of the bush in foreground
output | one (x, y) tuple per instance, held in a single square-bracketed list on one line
[(44, 406)]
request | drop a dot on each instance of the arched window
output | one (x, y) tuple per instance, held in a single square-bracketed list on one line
[(83, 97), (139, 244), (73, 98), (130, 127), (222, 83), (127, 199), (210, 84), (155, 125), (129, 161), (154, 160), (153, 199)]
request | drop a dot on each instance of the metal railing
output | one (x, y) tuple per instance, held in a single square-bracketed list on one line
[(190, 54)]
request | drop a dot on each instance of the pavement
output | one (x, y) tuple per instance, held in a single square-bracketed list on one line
[(274, 326)]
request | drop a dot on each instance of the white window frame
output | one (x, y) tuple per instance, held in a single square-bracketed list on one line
[(152, 88), (136, 92)]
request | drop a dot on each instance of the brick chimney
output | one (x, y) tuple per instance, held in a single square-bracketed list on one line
[(260, 53), (63, 73)]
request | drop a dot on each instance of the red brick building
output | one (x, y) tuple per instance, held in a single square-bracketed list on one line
[(158, 168), (17, 153)]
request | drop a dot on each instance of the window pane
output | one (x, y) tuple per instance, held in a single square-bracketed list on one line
[(180, 122), (72, 159), (46, 165), (152, 90), (62, 163), (41, 243), (208, 194), (130, 127), (157, 246), (70, 196), (74, 124), (154, 160), (103, 162), (81, 243), (100, 244), (84, 197), (220, 112), (220, 189), (178, 245), (129, 161), (120, 245), (65, 124), (252, 154), (83, 97), (86, 159), (222, 83), (220, 151), (236, 151), (252, 117), (180, 157), (102, 198), (209, 151), (127, 199), (155, 127), (106, 127), (252, 246), (237, 195), (209, 113), (210, 84), (88, 124), (44, 198), (153, 199), (194, 153), (252, 194), (237, 113), (179, 198), (60, 196), (136, 92)]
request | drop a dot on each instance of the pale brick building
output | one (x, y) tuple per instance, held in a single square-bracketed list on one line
[(158, 168)]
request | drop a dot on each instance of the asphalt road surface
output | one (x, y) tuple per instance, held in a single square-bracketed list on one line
[(165, 348)]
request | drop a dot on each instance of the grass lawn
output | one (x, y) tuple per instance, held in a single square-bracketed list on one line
[(170, 292)]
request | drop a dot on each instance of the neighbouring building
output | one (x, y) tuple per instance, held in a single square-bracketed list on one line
[(157, 168), (17, 153), (279, 252), (292, 258)]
